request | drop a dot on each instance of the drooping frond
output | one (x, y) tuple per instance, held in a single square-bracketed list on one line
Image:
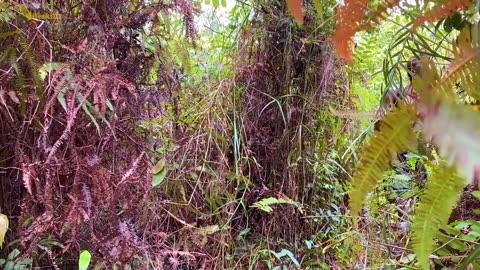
[(395, 135), (452, 127), (380, 13), (351, 18), (465, 68), (442, 10), (455, 129), (348, 23), (443, 191), (32, 66)]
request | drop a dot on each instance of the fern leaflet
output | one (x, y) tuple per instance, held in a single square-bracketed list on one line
[(395, 135), (443, 191)]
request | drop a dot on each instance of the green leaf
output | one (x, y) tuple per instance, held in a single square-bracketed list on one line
[(288, 253), (13, 254), (84, 260), (159, 166), (9, 265), (476, 194), (26, 261), (47, 68), (157, 179), (318, 8), (215, 3)]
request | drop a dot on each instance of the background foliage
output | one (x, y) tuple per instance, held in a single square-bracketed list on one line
[(225, 135)]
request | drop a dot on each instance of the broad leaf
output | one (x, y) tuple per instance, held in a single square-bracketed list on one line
[(159, 172), (476, 194), (157, 179), (3, 228), (159, 166), (84, 260)]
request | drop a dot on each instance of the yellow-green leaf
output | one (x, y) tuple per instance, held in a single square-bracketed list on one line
[(3, 228), (208, 229), (157, 179), (318, 8), (84, 260), (159, 166)]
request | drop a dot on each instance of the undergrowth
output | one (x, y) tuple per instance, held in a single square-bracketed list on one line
[(223, 135)]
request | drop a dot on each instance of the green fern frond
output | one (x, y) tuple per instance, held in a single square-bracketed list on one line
[(33, 67), (465, 68), (443, 191), (9, 56), (19, 79), (266, 204), (395, 135)]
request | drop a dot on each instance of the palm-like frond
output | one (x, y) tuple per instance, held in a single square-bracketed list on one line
[(443, 191), (395, 135)]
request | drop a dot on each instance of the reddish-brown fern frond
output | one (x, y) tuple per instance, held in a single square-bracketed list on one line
[(380, 13), (57, 83), (348, 23), (351, 19), (442, 10)]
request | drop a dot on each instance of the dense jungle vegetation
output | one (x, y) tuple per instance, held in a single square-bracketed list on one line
[(222, 134)]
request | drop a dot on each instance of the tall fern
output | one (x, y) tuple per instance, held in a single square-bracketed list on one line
[(454, 128), (395, 135), (442, 193), (455, 131), (465, 66)]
